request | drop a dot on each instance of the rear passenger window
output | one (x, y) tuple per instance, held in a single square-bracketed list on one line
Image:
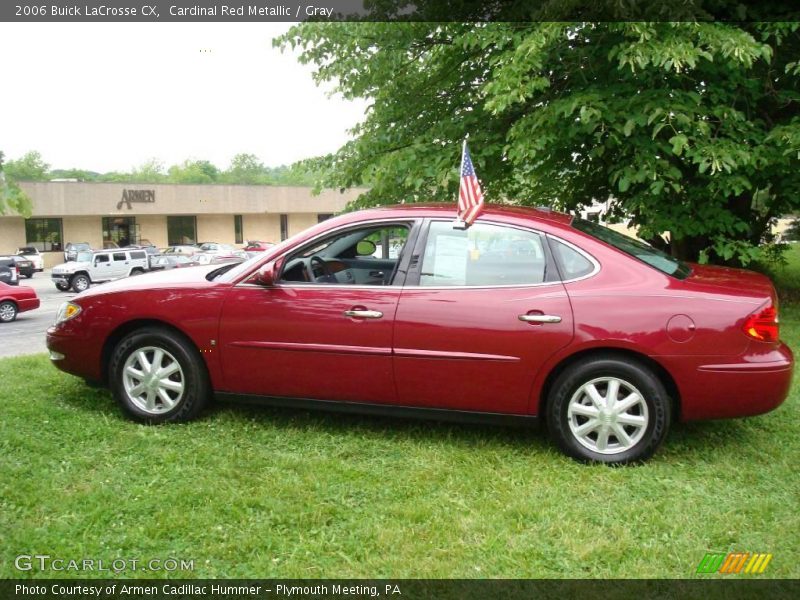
[(483, 255), (571, 263), (138, 254), (119, 256)]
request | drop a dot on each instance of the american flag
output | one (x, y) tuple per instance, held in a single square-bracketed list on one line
[(470, 196)]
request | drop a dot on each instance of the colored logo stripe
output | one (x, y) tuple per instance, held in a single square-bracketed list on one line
[(734, 562)]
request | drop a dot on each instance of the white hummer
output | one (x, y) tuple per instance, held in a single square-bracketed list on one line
[(97, 266)]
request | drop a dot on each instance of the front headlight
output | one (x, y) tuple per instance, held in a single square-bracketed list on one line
[(67, 311)]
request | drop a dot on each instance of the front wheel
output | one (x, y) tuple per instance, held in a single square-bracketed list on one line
[(158, 377), (607, 409), (80, 283), (8, 311)]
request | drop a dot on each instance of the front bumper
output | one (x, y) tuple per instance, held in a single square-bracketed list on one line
[(73, 353)]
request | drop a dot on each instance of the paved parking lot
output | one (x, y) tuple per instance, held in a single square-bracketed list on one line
[(26, 334)]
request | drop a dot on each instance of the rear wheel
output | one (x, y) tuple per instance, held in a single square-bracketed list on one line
[(158, 377), (8, 311), (610, 410), (137, 272), (80, 283)]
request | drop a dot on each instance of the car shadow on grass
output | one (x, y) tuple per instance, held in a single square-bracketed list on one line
[(687, 443)]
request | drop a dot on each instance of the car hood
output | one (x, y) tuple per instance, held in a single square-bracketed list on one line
[(70, 267), (171, 278)]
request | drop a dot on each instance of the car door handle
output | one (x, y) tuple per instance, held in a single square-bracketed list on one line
[(363, 314), (540, 318)]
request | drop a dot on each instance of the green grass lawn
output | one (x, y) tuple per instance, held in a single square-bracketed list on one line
[(252, 492)]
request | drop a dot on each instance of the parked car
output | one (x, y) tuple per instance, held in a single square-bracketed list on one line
[(72, 248), (186, 249), (9, 272), (256, 246), (24, 266), (204, 258), (33, 255), (16, 299), (221, 250), (165, 262), (603, 337), (96, 267)]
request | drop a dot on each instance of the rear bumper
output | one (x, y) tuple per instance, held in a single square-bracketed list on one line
[(756, 383), (28, 304)]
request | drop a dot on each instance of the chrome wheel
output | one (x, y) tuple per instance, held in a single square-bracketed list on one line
[(607, 415), (8, 312), (153, 380), (80, 283)]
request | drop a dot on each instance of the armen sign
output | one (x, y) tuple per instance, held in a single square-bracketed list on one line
[(131, 196)]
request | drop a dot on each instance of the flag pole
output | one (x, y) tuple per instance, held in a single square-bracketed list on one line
[(459, 223)]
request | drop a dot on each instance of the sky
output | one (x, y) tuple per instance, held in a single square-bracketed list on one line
[(110, 96)]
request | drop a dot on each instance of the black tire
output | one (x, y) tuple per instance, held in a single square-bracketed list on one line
[(597, 373), (137, 272), (62, 285), (192, 374), (80, 282), (8, 311), (29, 275)]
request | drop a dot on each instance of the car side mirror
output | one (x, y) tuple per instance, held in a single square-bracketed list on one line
[(365, 248), (268, 274)]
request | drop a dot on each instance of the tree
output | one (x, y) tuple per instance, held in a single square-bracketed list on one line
[(31, 167), (193, 171), (691, 128), (12, 198), (245, 168)]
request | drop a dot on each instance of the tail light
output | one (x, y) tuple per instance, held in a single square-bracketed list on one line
[(763, 325)]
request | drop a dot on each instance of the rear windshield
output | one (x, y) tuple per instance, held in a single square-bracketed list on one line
[(635, 248)]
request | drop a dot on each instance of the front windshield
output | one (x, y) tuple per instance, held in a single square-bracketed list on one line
[(635, 248), (84, 257)]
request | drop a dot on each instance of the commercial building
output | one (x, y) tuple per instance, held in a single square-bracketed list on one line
[(105, 214)]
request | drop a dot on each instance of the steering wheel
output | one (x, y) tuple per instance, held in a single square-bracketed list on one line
[(315, 262)]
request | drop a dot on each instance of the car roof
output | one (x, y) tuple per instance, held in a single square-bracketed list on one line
[(439, 209)]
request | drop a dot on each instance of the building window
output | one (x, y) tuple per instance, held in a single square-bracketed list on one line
[(237, 229), (323, 217), (181, 230), (44, 234), (119, 232), (284, 227)]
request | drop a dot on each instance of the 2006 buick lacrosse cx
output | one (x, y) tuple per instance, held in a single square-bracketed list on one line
[(527, 314)]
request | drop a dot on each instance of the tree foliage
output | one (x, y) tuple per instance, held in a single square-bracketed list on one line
[(690, 128), (245, 169), (12, 198)]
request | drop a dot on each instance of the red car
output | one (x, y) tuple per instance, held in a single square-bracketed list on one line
[(255, 246), (527, 314), (16, 299)]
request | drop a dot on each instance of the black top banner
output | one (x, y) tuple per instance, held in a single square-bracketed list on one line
[(398, 10)]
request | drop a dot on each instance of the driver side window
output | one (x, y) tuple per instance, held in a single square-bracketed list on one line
[(363, 256)]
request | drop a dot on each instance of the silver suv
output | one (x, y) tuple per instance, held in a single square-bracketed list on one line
[(96, 267)]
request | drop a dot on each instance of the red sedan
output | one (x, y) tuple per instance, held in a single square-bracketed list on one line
[(526, 314), (16, 299)]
